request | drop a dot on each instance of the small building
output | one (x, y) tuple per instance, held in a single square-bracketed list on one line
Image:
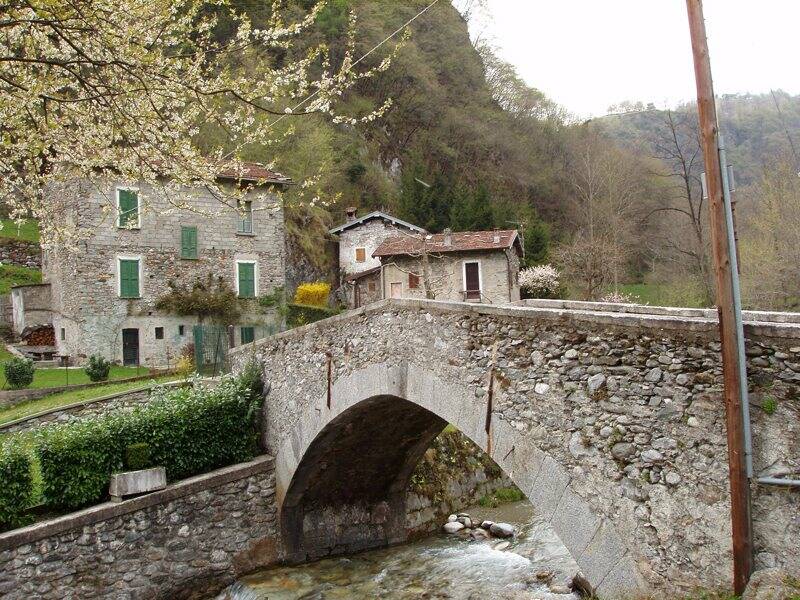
[(358, 238), (135, 244), (466, 266)]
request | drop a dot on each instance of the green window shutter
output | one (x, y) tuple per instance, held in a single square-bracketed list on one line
[(128, 208), (188, 242), (247, 280), (129, 278), (248, 334)]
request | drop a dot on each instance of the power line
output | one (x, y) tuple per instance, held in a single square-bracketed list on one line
[(373, 49)]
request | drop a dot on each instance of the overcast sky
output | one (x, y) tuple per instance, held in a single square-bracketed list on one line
[(589, 54)]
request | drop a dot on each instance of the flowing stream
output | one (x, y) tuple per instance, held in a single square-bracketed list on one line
[(534, 566)]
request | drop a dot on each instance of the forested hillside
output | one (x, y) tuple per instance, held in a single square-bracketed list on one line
[(615, 202)]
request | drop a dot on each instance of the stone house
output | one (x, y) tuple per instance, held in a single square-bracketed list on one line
[(103, 293), (358, 238), (466, 266)]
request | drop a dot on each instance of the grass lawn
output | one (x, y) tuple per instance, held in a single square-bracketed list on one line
[(29, 230), (70, 397), (661, 295), (11, 275), (43, 378)]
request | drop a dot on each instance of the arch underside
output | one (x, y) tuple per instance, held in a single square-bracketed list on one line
[(342, 475)]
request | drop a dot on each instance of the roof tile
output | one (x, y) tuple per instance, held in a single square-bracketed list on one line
[(460, 241)]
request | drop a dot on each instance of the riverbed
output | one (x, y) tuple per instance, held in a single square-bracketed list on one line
[(535, 565)]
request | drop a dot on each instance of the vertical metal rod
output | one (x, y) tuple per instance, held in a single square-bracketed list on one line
[(741, 527), (737, 308), (330, 369)]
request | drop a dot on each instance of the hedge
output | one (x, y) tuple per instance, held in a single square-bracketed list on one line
[(188, 430), (303, 314), (16, 491)]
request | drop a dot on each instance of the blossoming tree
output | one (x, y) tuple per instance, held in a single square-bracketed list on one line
[(92, 89)]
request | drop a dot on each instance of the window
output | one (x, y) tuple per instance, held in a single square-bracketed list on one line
[(181, 330), (472, 280), (63, 334), (361, 255), (413, 281), (159, 333), (246, 279), (128, 208), (371, 287), (244, 221), (248, 334), (188, 242), (129, 278)]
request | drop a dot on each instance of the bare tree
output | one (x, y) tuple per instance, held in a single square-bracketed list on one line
[(680, 208)]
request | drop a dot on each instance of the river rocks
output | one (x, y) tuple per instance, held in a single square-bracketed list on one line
[(500, 546), (503, 530), (453, 527), (487, 525), (479, 534), (452, 518)]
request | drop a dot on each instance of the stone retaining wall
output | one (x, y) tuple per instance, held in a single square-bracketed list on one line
[(87, 408), (20, 253), (188, 541)]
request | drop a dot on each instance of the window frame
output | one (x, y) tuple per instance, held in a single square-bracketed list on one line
[(240, 229), (255, 277), (156, 332), (464, 264), (413, 281), (138, 259), (364, 251), (181, 330), (122, 188), (196, 249)]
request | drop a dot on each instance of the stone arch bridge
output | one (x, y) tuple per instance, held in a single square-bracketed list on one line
[(608, 417)]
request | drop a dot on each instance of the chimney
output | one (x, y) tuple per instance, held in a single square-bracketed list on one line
[(448, 238), (496, 238), (350, 211)]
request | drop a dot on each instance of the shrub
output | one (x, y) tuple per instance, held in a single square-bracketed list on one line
[(98, 368), (769, 405), (19, 373), (185, 366), (273, 299), (313, 294), (617, 297), (542, 281), (16, 492), (188, 431), (302, 314), (137, 457)]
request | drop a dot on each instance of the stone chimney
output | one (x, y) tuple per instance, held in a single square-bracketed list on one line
[(496, 238), (351, 211), (448, 237)]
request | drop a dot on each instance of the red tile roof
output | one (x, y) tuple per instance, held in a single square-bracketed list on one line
[(251, 172), (460, 241)]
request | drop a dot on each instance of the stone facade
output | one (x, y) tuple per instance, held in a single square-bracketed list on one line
[(612, 424), (189, 540), (367, 236), (88, 312), (499, 276)]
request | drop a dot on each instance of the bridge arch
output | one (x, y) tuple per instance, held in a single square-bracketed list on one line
[(381, 420)]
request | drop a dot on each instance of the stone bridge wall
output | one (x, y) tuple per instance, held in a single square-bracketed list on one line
[(187, 541), (611, 423)]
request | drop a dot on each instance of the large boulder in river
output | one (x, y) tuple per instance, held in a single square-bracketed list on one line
[(453, 527), (502, 530)]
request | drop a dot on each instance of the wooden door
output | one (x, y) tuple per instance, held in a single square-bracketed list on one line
[(130, 347), (472, 281)]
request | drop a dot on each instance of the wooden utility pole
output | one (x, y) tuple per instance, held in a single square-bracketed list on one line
[(709, 133)]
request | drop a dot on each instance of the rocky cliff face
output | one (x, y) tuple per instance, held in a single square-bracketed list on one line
[(453, 474)]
